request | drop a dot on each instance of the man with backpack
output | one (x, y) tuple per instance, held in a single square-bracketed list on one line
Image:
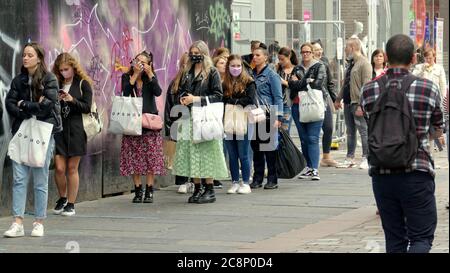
[(401, 110)]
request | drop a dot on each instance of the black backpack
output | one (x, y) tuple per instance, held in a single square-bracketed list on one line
[(393, 141)]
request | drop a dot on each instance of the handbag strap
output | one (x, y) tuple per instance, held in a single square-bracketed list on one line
[(93, 104)]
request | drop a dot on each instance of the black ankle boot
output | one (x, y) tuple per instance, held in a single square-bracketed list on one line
[(209, 196), (148, 194), (197, 193), (137, 194)]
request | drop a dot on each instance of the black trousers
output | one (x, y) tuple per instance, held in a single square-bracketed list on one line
[(261, 157), (407, 208)]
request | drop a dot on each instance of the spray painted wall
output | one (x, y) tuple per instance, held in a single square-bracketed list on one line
[(104, 36)]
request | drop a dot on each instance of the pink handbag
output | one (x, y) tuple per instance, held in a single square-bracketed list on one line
[(152, 122)]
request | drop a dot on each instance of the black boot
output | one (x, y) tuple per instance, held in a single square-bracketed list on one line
[(148, 194), (137, 194), (197, 193), (209, 196)]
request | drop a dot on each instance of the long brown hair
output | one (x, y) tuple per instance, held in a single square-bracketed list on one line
[(41, 71), (67, 59), (231, 86), (177, 82)]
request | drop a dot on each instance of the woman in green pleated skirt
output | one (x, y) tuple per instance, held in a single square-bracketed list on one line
[(204, 160)]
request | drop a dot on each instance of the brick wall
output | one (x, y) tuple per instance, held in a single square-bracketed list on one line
[(354, 10)]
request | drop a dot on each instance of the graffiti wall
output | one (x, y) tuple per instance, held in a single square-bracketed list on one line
[(104, 36)]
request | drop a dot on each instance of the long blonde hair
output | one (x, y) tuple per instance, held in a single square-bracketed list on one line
[(66, 58), (207, 64)]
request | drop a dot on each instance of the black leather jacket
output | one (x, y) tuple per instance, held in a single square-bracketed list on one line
[(49, 110), (150, 90), (211, 87), (318, 72), (1, 119)]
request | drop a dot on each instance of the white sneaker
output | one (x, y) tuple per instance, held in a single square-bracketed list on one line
[(348, 163), (364, 164), (186, 188), (245, 189), (38, 230), (14, 231), (234, 189), (182, 189)]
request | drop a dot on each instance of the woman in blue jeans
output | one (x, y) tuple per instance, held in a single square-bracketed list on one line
[(33, 93), (239, 92), (314, 74)]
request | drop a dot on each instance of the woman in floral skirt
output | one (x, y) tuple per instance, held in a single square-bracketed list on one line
[(142, 155)]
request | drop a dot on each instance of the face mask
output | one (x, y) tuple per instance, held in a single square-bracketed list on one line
[(235, 71), (196, 59), (67, 74)]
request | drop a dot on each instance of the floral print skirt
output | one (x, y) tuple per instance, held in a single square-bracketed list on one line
[(142, 155)]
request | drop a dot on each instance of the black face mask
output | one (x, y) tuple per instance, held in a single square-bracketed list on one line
[(196, 59)]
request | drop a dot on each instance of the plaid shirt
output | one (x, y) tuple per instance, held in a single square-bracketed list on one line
[(425, 100)]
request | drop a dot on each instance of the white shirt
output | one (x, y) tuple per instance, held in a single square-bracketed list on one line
[(66, 87)]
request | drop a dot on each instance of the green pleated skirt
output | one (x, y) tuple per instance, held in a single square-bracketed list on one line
[(198, 160)]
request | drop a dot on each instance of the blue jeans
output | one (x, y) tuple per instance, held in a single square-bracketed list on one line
[(354, 123), (407, 208), (309, 136), (238, 151), (21, 176)]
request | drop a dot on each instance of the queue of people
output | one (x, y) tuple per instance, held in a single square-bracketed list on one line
[(258, 99)]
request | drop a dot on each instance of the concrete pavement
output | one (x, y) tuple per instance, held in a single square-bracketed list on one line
[(336, 214)]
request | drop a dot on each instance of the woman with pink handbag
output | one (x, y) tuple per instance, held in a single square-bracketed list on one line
[(143, 155)]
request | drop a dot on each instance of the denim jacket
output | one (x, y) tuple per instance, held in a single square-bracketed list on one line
[(268, 89)]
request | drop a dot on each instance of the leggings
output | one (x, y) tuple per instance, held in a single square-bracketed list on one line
[(327, 128)]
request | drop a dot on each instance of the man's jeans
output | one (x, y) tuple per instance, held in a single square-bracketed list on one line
[(21, 176), (407, 208), (353, 123)]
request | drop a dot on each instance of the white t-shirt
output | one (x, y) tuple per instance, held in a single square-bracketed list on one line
[(66, 87)]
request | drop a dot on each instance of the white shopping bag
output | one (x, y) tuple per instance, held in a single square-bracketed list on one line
[(126, 116), (207, 122), (312, 106), (29, 145), (235, 120)]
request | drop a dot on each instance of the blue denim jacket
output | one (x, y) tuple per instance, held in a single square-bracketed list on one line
[(268, 89)]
